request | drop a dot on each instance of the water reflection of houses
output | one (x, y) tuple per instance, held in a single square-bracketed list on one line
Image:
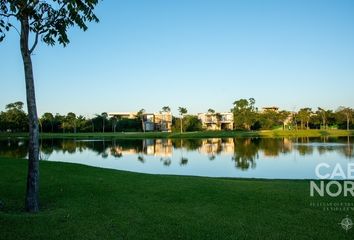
[(158, 147), (213, 146), (154, 147)]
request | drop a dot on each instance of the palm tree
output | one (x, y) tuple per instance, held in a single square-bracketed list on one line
[(211, 111), (218, 120), (182, 111), (115, 120), (104, 116), (140, 115), (166, 109), (283, 117), (323, 115)]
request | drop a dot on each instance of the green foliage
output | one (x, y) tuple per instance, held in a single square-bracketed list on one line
[(166, 109), (270, 119), (244, 113), (344, 117), (304, 115), (47, 122), (129, 125), (69, 123), (211, 111), (14, 119), (182, 111), (48, 20), (192, 124)]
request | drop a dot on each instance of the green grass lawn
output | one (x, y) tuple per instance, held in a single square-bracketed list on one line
[(202, 134), (81, 202)]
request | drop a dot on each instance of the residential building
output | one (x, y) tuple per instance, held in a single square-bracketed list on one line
[(123, 115), (161, 121), (217, 121), (273, 108)]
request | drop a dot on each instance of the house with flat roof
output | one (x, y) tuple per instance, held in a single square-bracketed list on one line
[(217, 121), (161, 121)]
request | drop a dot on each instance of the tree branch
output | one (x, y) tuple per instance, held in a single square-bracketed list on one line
[(8, 15), (43, 28), (16, 30), (34, 44)]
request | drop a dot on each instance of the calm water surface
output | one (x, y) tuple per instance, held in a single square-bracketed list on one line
[(280, 158)]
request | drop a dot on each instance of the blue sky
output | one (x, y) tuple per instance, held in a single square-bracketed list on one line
[(194, 53)]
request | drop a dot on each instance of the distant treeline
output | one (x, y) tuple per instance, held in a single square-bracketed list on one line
[(246, 117)]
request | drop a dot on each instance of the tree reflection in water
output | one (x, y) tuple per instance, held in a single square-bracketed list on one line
[(166, 161), (184, 161), (14, 148), (141, 158), (244, 152)]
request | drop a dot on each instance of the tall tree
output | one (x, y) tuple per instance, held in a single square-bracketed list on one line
[(284, 118), (58, 122), (70, 120), (47, 117), (182, 111), (304, 115), (104, 116), (218, 117), (15, 119), (140, 117), (114, 121), (323, 114), (49, 21), (244, 113), (347, 113)]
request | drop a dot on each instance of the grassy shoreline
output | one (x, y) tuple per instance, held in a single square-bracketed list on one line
[(81, 202), (204, 134)]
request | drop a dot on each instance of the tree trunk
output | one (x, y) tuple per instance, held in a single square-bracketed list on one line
[(348, 123), (32, 191), (324, 121), (41, 126), (181, 124)]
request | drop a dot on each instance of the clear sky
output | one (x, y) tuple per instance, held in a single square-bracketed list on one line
[(195, 53)]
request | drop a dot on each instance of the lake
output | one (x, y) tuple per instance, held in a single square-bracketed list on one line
[(270, 158)]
